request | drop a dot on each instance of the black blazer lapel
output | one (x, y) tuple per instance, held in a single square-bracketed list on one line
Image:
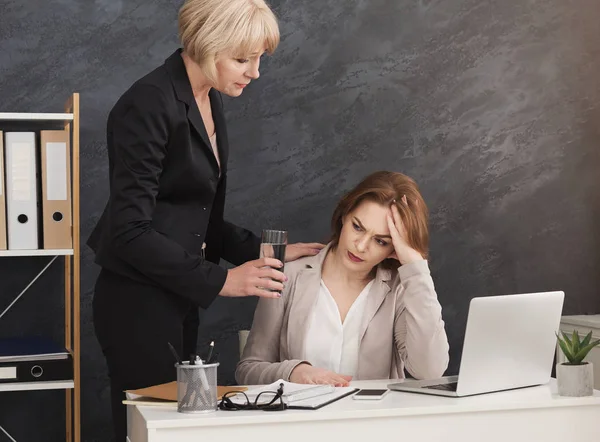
[(195, 118), (218, 114), (184, 93)]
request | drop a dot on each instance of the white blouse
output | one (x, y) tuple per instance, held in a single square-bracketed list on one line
[(329, 343)]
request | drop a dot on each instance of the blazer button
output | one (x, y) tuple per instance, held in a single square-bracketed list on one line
[(204, 208)]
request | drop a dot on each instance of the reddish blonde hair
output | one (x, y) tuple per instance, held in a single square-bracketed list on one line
[(384, 188)]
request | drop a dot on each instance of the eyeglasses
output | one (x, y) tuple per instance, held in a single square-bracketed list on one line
[(266, 401)]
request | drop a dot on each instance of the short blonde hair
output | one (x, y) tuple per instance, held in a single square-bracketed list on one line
[(208, 28)]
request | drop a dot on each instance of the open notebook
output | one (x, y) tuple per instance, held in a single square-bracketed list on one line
[(300, 396)]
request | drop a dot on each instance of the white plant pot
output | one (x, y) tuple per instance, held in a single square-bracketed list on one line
[(575, 380)]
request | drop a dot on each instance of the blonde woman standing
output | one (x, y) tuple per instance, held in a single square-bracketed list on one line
[(168, 149)]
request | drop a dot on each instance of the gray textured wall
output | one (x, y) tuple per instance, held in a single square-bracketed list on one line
[(493, 106)]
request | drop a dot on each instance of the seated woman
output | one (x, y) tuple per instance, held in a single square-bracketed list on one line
[(365, 307)]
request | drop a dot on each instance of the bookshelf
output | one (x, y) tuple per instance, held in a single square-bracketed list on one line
[(50, 385), (24, 116), (69, 121), (47, 252)]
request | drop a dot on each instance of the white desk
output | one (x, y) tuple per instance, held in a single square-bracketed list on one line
[(533, 414)]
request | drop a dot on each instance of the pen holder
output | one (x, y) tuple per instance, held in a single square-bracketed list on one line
[(196, 387)]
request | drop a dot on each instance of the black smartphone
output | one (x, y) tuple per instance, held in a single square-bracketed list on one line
[(370, 394)]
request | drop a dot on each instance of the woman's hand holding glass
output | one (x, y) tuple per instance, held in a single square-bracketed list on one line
[(255, 278)]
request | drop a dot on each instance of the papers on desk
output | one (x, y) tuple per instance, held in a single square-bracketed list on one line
[(300, 396), (166, 394), (291, 392), (296, 396)]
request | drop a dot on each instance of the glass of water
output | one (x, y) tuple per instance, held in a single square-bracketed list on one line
[(273, 245)]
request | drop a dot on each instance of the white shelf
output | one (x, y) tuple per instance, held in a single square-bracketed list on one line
[(27, 116), (50, 385), (39, 252)]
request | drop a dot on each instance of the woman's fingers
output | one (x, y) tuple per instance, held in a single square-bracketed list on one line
[(336, 379), (267, 262), (393, 230), (266, 293), (313, 245), (269, 284), (398, 221), (340, 381), (267, 272), (344, 378)]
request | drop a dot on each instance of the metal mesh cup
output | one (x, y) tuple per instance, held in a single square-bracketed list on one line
[(196, 388)]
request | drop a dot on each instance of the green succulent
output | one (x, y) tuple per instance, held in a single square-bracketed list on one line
[(574, 349)]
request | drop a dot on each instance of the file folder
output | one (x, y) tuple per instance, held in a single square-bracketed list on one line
[(33, 359), (2, 198), (21, 191), (56, 189)]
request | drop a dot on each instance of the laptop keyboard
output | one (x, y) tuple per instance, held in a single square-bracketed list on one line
[(448, 387)]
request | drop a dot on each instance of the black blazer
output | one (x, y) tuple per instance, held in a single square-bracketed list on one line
[(166, 196)]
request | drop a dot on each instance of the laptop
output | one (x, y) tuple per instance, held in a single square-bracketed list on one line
[(509, 343)]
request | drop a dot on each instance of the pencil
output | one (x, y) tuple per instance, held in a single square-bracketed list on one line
[(210, 352)]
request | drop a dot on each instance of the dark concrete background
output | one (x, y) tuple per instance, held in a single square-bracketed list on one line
[(492, 106)]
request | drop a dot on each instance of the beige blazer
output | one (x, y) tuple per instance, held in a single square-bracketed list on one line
[(402, 326)]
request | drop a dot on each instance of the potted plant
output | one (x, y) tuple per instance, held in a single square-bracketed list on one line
[(575, 377)]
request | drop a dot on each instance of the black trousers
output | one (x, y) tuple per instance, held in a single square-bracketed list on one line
[(134, 323)]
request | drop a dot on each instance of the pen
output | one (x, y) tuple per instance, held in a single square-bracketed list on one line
[(177, 358), (202, 374), (186, 397), (210, 352)]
